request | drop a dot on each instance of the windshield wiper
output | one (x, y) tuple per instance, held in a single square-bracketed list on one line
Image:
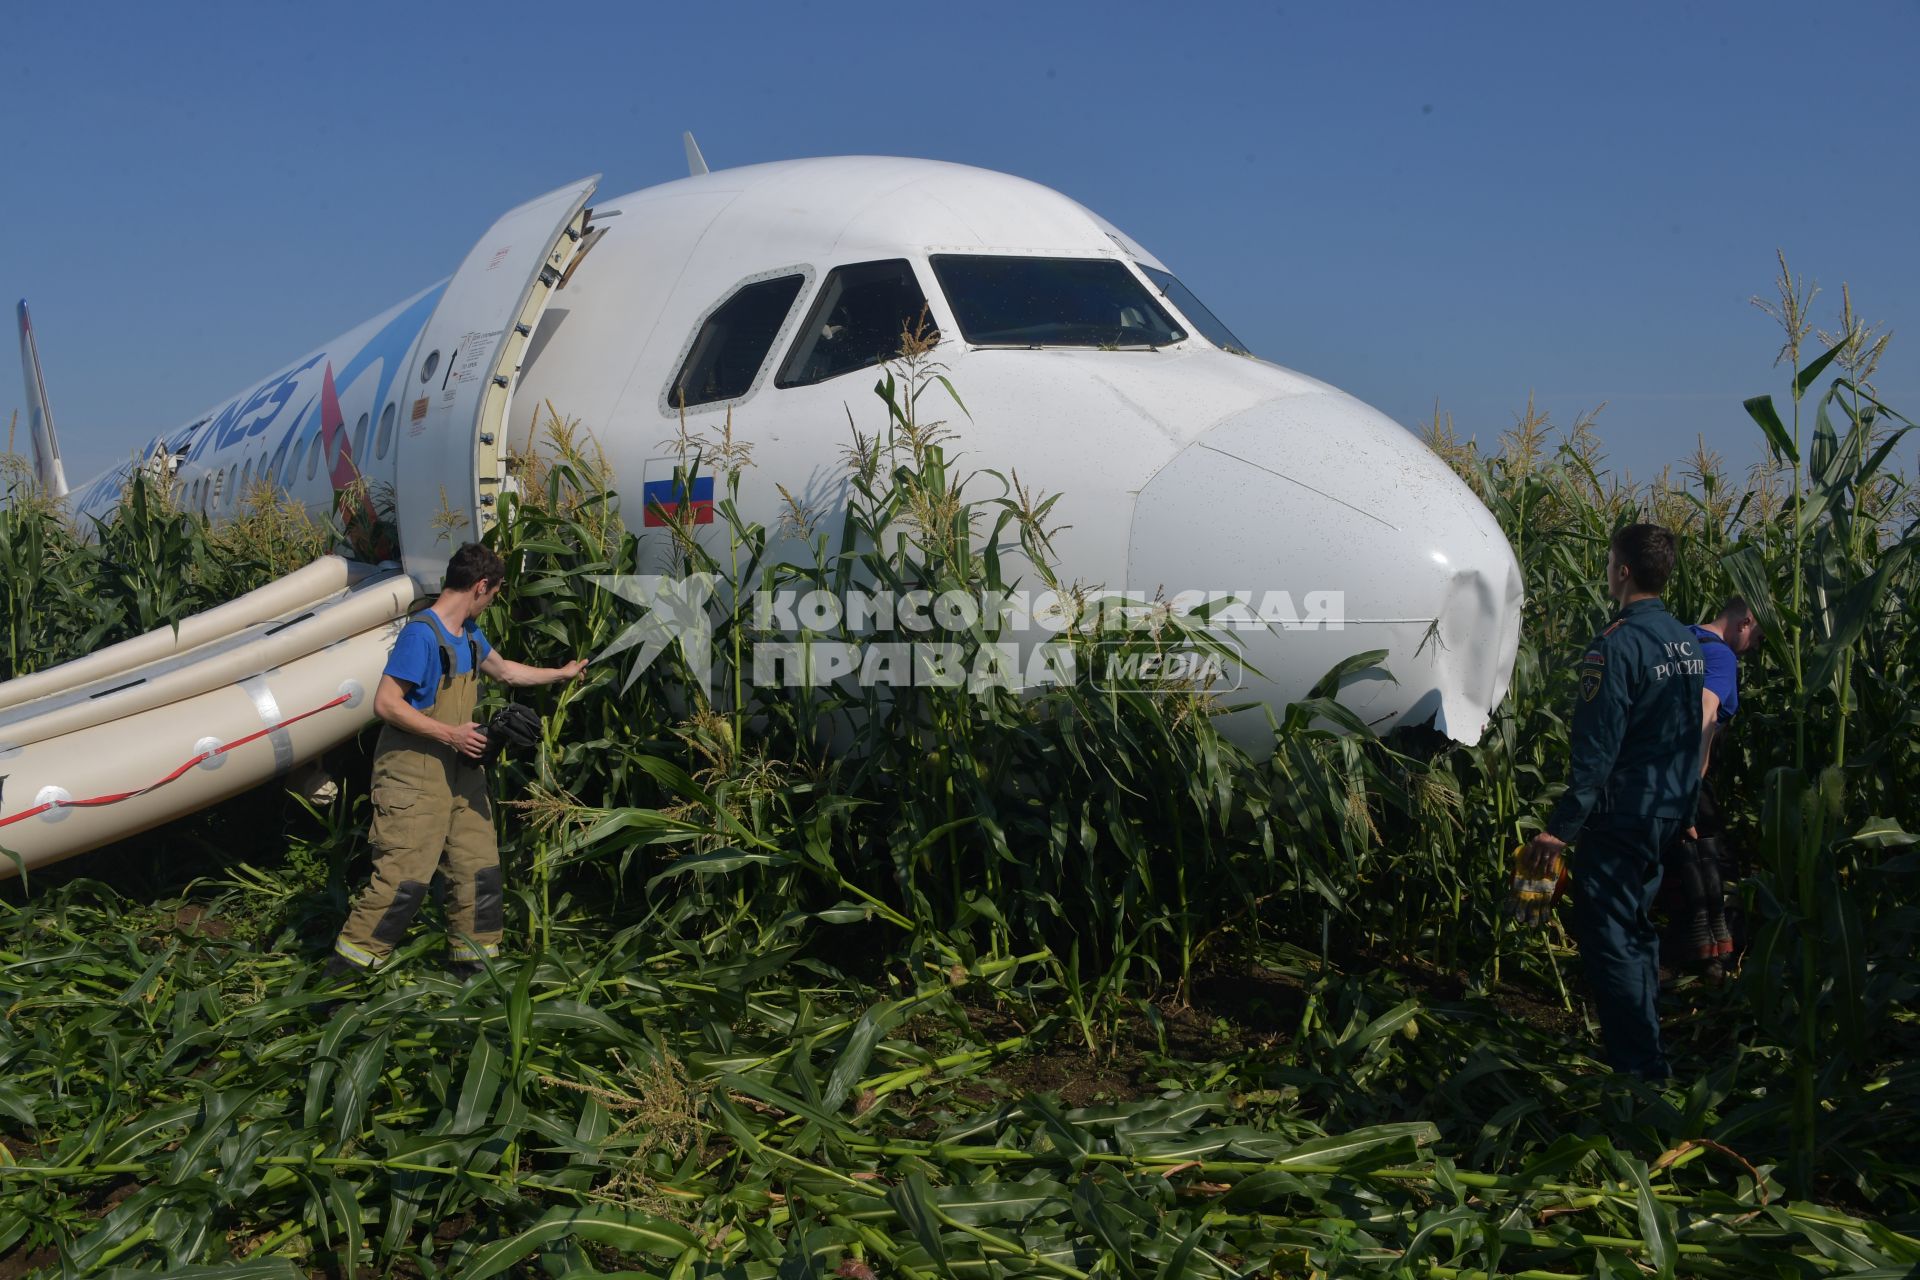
[(1063, 346)]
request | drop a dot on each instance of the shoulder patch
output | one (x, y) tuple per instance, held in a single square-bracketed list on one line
[(1593, 667)]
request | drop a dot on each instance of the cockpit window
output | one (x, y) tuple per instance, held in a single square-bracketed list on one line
[(1052, 302), (733, 343), (1195, 310), (859, 320)]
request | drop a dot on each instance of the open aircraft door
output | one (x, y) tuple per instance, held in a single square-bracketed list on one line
[(451, 465)]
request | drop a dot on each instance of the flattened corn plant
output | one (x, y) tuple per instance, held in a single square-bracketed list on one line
[(776, 950), (184, 1101)]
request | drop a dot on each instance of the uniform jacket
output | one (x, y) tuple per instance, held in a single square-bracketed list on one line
[(1636, 722)]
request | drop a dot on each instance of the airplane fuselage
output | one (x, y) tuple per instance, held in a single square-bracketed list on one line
[(770, 295)]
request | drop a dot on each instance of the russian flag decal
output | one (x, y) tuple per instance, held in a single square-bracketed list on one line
[(662, 499)]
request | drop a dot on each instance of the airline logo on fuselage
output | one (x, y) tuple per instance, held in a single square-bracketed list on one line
[(249, 416)]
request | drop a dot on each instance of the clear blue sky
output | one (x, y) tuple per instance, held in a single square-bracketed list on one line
[(1414, 201)]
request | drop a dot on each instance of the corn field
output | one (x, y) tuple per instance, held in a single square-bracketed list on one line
[(1059, 983)]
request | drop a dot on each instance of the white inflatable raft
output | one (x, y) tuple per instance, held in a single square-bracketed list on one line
[(158, 726), (154, 728)]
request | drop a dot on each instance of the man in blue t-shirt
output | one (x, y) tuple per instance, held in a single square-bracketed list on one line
[(431, 807), (416, 658), (1700, 866), (1722, 641)]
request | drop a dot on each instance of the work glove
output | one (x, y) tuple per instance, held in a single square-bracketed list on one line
[(512, 726), (1535, 889)]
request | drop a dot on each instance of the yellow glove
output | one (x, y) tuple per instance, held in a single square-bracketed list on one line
[(1535, 889)]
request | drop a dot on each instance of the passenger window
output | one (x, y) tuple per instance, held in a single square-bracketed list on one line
[(858, 321), (733, 343)]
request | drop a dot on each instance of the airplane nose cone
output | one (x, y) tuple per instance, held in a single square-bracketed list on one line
[(1340, 533)]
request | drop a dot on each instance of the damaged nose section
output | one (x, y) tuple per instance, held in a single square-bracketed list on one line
[(1472, 649), (1339, 533)]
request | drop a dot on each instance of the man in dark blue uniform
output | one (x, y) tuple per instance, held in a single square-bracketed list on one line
[(1635, 768)]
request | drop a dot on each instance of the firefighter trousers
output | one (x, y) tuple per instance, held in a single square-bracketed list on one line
[(431, 812)]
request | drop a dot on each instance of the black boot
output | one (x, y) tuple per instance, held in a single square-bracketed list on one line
[(340, 975), (340, 969)]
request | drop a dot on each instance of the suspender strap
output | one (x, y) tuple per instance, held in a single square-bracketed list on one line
[(448, 669)]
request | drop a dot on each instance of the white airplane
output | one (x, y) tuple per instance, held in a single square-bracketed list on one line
[(774, 293)]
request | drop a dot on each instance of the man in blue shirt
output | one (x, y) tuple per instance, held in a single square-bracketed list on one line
[(1722, 641), (431, 807), (1698, 867)]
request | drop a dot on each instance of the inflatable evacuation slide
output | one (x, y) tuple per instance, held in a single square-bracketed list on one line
[(158, 726)]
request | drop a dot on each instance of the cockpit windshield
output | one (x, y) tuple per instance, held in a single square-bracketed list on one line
[(1195, 310), (1052, 302)]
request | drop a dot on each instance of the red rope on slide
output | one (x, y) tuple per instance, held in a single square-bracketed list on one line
[(93, 802)]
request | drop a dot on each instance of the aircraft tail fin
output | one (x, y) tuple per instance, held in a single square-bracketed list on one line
[(47, 468), (696, 163)]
